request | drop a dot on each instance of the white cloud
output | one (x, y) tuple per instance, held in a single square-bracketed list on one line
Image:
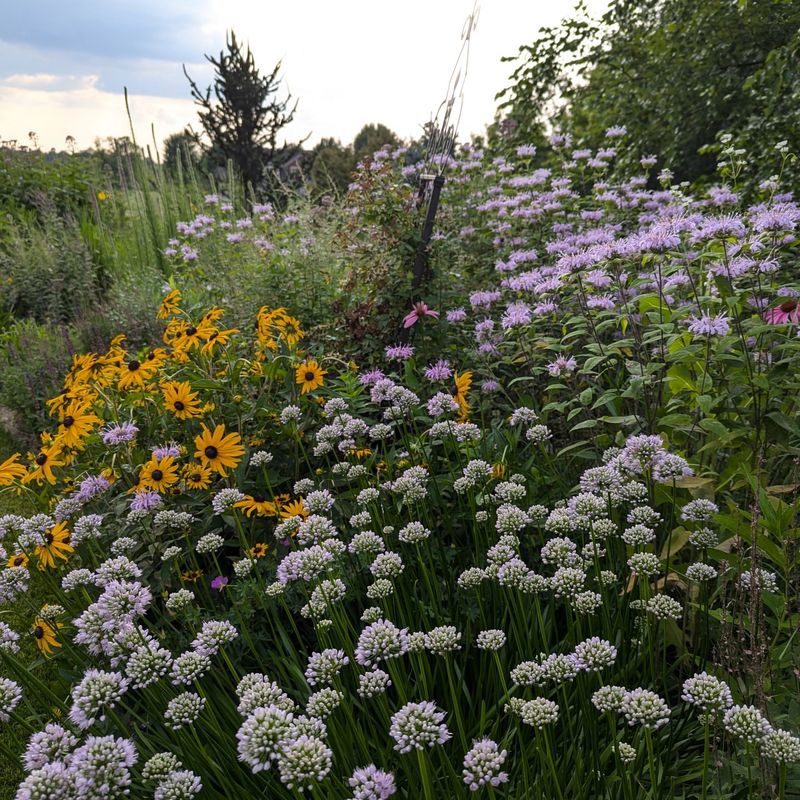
[(349, 63)]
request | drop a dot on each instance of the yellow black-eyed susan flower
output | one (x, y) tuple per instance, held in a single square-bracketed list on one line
[(218, 450), (259, 505), (258, 550), (309, 375), (192, 575), (295, 508), (76, 422), (43, 462), (170, 305), (159, 474), (17, 560), (180, 399), (197, 476), (56, 546), (45, 636), (11, 470)]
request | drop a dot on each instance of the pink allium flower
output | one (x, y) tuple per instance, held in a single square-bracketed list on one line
[(419, 311), (786, 312)]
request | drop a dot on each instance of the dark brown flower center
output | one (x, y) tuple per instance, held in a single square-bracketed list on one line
[(41, 459), (211, 451), (133, 365), (48, 538), (309, 376), (191, 331), (157, 474), (179, 406), (213, 336), (19, 561), (38, 632), (151, 356), (68, 421), (259, 498), (788, 305), (196, 478)]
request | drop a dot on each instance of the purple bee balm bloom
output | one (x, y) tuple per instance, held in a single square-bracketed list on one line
[(91, 486), (490, 386), (371, 377), (706, 325), (561, 366), (219, 583), (144, 501), (400, 352), (456, 315), (119, 434), (440, 371), (166, 450)]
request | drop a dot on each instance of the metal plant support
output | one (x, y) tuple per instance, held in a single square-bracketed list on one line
[(442, 131)]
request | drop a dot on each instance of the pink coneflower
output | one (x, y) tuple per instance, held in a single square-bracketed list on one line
[(419, 311), (787, 312)]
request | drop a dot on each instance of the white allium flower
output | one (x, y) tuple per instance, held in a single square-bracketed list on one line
[(539, 712), (371, 783), (471, 578), (324, 702), (53, 743), (538, 434), (627, 753), (766, 581), (387, 565), (643, 707), (380, 589), (160, 765), (781, 746), (170, 553), (492, 639), (97, 692), (183, 710), (179, 785), (699, 510), (704, 538), (373, 683), (662, 606), (567, 581), (10, 697), (146, 664), (180, 600), (413, 533), (644, 564), (260, 458), (638, 535), (701, 572), (595, 654), (48, 782), (256, 690), (262, 735), (746, 722), (212, 635), (706, 692), (325, 666), (189, 667), (209, 543), (442, 640), (243, 567), (418, 726), (608, 698), (482, 765), (303, 761), (380, 641)]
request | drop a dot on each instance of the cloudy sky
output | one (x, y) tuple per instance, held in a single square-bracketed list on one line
[(63, 65)]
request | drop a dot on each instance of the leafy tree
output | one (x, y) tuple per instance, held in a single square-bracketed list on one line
[(183, 148), (332, 166), (675, 73), (371, 138), (245, 116)]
